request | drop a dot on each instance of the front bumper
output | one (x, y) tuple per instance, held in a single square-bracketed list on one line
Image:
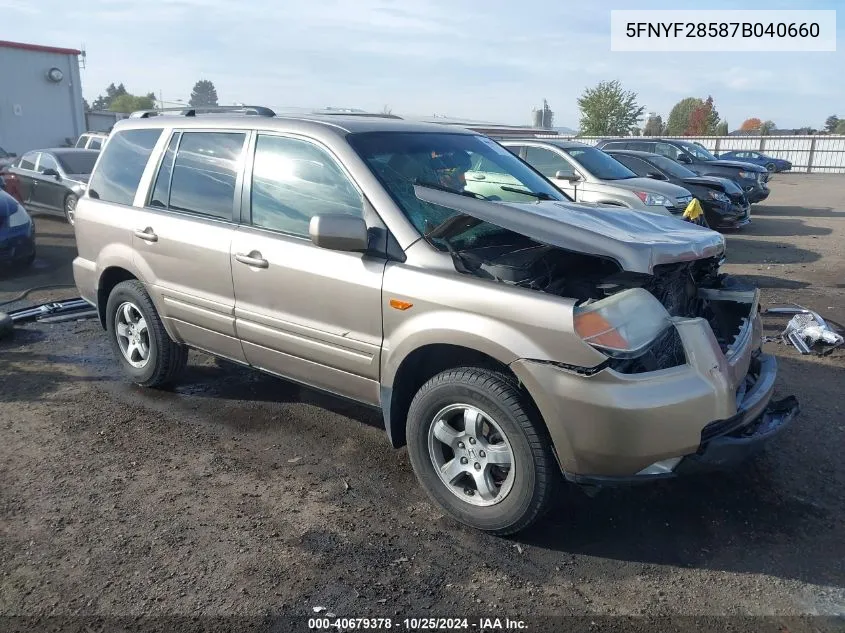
[(756, 193), (722, 215), (609, 426)]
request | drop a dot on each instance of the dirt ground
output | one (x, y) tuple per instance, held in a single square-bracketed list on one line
[(238, 494)]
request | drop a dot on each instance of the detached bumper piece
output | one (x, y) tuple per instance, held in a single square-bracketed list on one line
[(54, 312), (726, 451)]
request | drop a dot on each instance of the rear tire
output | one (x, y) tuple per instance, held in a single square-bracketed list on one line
[(466, 475), (771, 167), (144, 348)]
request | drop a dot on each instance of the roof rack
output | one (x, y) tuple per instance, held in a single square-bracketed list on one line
[(193, 111), (339, 112)]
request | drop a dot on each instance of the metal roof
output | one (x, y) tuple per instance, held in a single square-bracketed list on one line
[(39, 48)]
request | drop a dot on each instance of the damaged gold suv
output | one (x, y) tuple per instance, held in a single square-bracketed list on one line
[(511, 338)]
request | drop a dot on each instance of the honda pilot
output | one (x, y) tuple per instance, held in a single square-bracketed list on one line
[(513, 341)]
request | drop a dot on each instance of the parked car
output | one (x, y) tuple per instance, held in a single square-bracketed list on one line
[(769, 162), (92, 140), (590, 175), (52, 180), (724, 203), (17, 233), (6, 158), (9, 183), (506, 342), (752, 178)]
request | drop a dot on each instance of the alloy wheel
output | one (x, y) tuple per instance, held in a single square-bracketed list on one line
[(132, 334), (471, 455)]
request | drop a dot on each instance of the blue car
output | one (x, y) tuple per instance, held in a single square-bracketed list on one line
[(769, 162), (17, 234)]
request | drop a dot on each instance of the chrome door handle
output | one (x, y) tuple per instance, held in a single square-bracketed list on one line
[(148, 235), (254, 259)]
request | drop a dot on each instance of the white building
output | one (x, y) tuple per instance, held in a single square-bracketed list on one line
[(40, 96)]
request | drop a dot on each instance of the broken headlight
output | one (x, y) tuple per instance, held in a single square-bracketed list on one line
[(622, 325)]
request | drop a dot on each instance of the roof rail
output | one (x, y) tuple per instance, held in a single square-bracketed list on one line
[(193, 111), (338, 112)]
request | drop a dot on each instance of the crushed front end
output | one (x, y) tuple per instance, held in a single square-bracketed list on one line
[(697, 396)]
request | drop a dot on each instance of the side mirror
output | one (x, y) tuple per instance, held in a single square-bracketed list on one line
[(571, 177), (683, 158), (656, 175), (53, 173), (339, 233)]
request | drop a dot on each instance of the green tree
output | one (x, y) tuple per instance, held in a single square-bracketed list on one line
[(653, 126), (679, 117), (608, 110), (831, 123), (767, 127), (130, 103), (204, 94), (722, 129), (103, 102), (713, 118), (840, 127)]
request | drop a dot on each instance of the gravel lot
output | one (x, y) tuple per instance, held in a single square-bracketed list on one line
[(238, 494)]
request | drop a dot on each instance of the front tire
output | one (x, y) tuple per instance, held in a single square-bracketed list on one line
[(70, 207), (145, 350), (771, 167), (480, 452)]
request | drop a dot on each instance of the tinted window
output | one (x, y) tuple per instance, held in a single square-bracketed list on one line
[(78, 162), (96, 143), (639, 167), (672, 168), (28, 161), (641, 146), (669, 151), (600, 164), (81, 141), (47, 162), (615, 145), (294, 180), (547, 162), (204, 173), (161, 190), (122, 165), (698, 151)]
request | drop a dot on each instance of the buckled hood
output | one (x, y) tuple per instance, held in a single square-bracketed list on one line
[(637, 240)]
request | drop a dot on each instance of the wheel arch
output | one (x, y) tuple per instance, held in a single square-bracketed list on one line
[(422, 364)]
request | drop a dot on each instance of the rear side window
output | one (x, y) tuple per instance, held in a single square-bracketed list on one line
[(547, 162), (615, 145), (122, 165), (81, 141), (28, 161), (95, 144), (636, 165), (205, 170)]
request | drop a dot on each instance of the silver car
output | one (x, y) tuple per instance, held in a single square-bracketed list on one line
[(588, 174)]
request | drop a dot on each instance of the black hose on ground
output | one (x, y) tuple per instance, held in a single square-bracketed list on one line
[(29, 291)]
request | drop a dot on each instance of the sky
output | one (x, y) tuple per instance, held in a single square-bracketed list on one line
[(492, 61)]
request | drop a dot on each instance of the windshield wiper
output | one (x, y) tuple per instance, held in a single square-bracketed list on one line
[(451, 226), (540, 195), (432, 185)]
